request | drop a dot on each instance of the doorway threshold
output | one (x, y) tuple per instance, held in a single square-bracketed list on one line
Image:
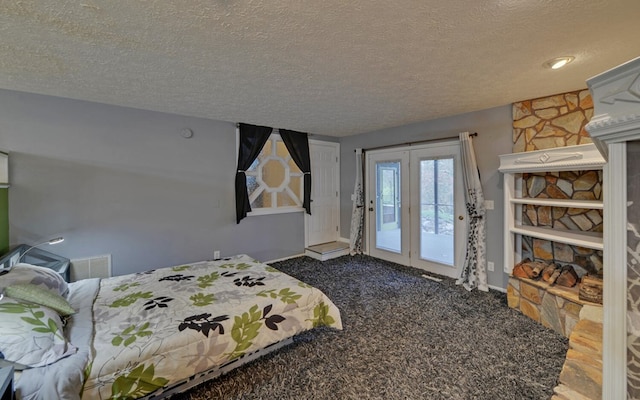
[(327, 251)]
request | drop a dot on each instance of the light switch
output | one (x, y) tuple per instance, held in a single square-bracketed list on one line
[(488, 204)]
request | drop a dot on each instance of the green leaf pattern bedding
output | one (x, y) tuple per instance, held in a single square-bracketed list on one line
[(160, 327)]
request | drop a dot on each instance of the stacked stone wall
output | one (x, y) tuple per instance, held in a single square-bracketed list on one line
[(576, 185), (553, 308), (554, 121), (581, 376)]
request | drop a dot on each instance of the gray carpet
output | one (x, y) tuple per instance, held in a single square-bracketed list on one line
[(404, 337)]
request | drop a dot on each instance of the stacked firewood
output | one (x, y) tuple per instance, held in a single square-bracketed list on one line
[(551, 273), (555, 274)]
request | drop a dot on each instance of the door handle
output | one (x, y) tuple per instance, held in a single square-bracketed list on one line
[(370, 208), (460, 217)]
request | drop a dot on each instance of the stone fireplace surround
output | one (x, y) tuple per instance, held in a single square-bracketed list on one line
[(553, 213), (615, 129)]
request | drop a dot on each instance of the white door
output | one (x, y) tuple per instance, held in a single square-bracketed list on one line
[(415, 207), (439, 219), (388, 205), (323, 223)]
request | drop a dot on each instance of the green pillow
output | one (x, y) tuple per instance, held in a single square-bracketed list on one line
[(38, 295)]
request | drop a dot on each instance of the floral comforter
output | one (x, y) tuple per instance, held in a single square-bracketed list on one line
[(160, 327)]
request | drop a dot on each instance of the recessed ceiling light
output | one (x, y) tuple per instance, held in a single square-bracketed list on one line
[(558, 62)]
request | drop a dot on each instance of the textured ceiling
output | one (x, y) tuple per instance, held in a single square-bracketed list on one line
[(329, 67)]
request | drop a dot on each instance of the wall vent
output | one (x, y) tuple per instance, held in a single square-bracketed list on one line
[(92, 267)]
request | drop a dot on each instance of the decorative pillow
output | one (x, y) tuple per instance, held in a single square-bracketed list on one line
[(35, 294), (40, 276), (31, 334)]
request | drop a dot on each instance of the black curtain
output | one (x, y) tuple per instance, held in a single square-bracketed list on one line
[(298, 145), (252, 140)]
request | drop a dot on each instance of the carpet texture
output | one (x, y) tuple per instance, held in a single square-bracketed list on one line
[(404, 337)]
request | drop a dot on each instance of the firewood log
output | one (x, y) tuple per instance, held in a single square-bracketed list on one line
[(547, 273), (568, 277), (529, 269), (522, 269), (537, 268), (591, 289)]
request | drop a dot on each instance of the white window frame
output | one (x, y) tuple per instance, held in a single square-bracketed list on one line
[(274, 138)]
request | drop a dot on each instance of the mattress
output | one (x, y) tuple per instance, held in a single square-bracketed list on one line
[(162, 327), (159, 332)]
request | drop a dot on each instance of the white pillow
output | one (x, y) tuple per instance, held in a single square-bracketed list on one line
[(31, 334), (39, 276)]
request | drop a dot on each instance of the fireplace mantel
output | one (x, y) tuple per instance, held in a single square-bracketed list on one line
[(616, 99), (569, 158)]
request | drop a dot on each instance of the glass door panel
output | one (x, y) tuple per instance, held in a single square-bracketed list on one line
[(387, 215), (436, 210), (438, 227), (388, 219)]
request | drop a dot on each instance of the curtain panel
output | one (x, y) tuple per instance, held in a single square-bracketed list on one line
[(474, 272), (357, 211), (298, 145), (252, 140)]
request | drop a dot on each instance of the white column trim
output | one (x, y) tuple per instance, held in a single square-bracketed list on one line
[(614, 371), (509, 245), (616, 120)]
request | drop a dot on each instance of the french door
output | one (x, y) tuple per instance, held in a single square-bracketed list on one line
[(416, 213)]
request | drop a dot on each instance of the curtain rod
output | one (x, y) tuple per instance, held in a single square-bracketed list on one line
[(413, 143)]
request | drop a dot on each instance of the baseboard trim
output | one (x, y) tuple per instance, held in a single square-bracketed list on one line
[(283, 258), (498, 288)]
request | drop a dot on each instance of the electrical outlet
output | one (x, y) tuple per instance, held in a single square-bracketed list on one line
[(490, 266), (216, 255)]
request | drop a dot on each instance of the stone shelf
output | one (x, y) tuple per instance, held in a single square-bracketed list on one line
[(566, 293), (568, 203), (581, 193), (591, 240)]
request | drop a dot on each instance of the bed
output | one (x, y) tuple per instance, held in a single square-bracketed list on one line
[(149, 334)]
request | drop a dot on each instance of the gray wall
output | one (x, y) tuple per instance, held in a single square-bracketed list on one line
[(122, 181), (494, 127)]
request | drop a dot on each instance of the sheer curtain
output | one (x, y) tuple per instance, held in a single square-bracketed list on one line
[(298, 145), (252, 140), (474, 272), (357, 212)]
